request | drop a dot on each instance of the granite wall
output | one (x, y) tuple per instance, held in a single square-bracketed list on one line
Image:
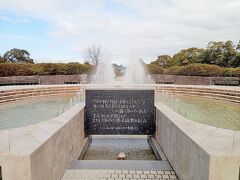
[(194, 80), (44, 80), (84, 78)]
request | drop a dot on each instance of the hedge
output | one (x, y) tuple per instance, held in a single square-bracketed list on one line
[(154, 69), (25, 69), (201, 70), (174, 70), (196, 70)]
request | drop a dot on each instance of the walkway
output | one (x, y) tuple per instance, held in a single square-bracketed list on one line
[(119, 170)]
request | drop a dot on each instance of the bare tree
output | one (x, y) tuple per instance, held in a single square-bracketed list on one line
[(94, 54)]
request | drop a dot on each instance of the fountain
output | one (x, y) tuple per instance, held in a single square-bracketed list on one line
[(135, 74), (104, 74)]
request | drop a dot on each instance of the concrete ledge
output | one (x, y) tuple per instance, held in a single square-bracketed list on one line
[(43, 150), (197, 151)]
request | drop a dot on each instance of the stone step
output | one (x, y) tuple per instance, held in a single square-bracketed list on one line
[(120, 165)]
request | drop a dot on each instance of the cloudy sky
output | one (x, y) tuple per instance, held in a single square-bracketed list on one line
[(54, 30)]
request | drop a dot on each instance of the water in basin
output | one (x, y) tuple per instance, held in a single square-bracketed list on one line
[(30, 111), (108, 147), (213, 112)]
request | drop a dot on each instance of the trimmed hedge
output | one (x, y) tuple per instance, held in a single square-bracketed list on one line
[(201, 70), (154, 69), (25, 69), (196, 70), (174, 70)]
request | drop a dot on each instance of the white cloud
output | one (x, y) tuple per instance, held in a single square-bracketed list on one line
[(4, 18), (139, 28), (14, 20)]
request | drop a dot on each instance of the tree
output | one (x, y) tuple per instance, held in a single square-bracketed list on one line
[(188, 56), (214, 53), (236, 61), (223, 54), (94, 55), (238, 46), (230, 54), (18, 56), (2, 59), (164, 61)]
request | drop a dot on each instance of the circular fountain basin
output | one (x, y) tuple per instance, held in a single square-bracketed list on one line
[(30, 111), (213, 112), (26, 105), (210, 105)]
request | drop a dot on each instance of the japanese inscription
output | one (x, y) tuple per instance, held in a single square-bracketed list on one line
[(119, 112)]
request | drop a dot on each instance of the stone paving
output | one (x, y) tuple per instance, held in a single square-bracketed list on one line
[(119, 170), (87, 174)]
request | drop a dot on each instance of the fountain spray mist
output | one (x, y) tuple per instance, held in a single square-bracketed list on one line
[(136, 73), (105, 73)]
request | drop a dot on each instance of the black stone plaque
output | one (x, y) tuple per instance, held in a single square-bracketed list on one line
[(119, 112)]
